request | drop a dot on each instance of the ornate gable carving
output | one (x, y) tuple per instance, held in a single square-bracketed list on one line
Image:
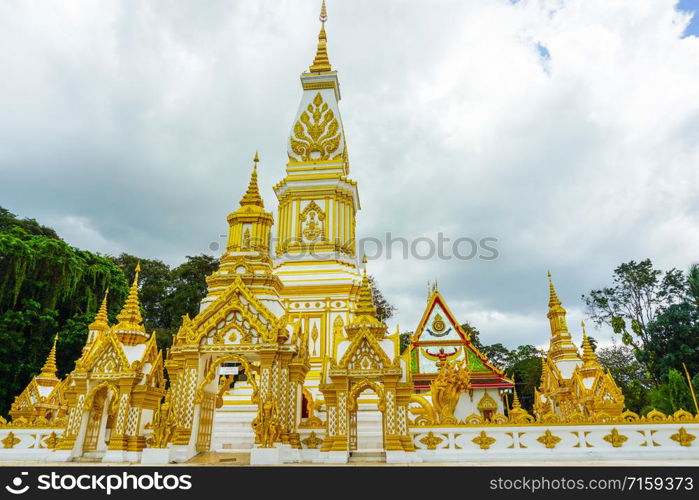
[(236, 306), (365, 354), (316, 134), (108, 358)]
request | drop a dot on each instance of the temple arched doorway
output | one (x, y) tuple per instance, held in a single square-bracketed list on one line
[(222, 373), (100, 406), (367, 420)]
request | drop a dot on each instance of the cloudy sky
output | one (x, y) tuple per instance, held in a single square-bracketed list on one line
[(568, 130)]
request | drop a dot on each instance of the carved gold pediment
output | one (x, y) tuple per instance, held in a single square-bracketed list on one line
[(316, 134)]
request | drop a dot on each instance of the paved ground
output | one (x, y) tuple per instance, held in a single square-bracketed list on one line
[(238, 459)]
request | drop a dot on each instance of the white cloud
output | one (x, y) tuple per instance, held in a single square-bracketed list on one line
[(131, 125)]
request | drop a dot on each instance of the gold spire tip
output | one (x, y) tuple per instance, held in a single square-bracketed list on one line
[(323, 13), (321, 62), (256, 159)]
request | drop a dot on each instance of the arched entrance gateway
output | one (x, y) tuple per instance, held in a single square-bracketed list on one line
[(273, 354), (365, 364)]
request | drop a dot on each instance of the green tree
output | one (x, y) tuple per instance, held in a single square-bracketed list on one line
[(474, 334), (630, 375), (673, 339), (154, 287), (498, 354), (693, 282), (405, 341), (526, 371), (384, 309), (673, 394), (47, 287), (187, 289), (637, 295)]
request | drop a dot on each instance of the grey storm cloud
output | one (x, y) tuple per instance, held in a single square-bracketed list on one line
[(568, 130)]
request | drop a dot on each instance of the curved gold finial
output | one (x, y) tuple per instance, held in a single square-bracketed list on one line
[(321, 62)]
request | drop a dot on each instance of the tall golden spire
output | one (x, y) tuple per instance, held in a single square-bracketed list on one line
[(562, 346), (589, 357), (101, 322), (49, 369), (553, 298), (321, 62), (515, 399), (252, 195), (129, 319), (365, 304)]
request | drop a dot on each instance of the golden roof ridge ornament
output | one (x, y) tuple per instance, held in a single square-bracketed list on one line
[(553, 297), (252, 195), (101, 321), (49, 369), (321, 63), (365, 303), (589, 357), (130, 319)]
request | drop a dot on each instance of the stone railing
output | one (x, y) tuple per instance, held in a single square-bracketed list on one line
[(33, 440), (627, 437)]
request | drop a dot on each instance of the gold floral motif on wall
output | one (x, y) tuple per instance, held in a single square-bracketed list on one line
[(316, 134)]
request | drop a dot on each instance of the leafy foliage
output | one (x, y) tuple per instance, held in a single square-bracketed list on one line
[(638, 294), (674, 394), (630, 375), (384, 309), (47, 287)]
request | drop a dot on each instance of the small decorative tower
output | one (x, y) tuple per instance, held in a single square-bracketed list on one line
[(98, 327), (247, 253), (43, 396), (562, 348), (130, 329)]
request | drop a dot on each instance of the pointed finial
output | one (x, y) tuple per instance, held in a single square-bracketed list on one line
[(321, 62), (49, 369), (101, 321), (129, 319), (589, 357), (364, 261), (553, 297), (365, 303), (515, 399), (252, 195)]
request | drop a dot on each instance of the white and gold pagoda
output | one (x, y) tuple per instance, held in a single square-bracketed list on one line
[(287, 360), (572, 384)]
